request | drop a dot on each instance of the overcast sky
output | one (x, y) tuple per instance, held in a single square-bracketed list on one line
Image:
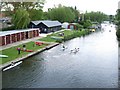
[(107, 6)]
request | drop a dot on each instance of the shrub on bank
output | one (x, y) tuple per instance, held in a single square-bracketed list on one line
[(118, 34), (76, 34), (68, 34), (8, 28)]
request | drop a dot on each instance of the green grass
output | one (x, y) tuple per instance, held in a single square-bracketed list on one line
[(68, 34), (47, 39), (12, 52)]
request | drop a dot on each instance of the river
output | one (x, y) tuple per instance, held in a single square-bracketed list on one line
[(95, 65)]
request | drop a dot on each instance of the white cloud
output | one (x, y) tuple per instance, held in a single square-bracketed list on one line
[(106, 6)]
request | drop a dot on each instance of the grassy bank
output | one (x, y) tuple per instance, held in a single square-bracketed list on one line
[(75, 34), (12, 52), (68, 34)]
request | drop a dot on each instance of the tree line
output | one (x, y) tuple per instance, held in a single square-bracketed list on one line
[(25, 12), (118, 24)]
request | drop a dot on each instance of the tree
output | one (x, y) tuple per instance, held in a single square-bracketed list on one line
[(22, 12), (79, 26), (45, 16), (36, 14), (118, 17), (118, 24), (95, 16), (62, 14), (111, 18), (87, 24), (14, 5), (21, 19), (76, 13), (35, 4)]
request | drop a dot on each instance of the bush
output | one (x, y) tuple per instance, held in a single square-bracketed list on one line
[(76, 34), (118, 33), (8, 28), (67, 35), (59, 40), (79, 26), (87, 24)]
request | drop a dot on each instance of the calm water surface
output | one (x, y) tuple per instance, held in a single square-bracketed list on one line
[(94, 66)]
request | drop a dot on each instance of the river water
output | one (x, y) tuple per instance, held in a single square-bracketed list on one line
[(95, 65)]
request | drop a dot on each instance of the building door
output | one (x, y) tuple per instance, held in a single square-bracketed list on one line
[(2, 40), (13, 38), (71, 27), (27, 35), (18, 36), (7, 39)]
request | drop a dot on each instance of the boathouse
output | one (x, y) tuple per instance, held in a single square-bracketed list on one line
[(8, 37), (72, 26), (46, 26)]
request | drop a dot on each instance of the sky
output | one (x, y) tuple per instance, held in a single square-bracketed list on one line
[(106, 6)]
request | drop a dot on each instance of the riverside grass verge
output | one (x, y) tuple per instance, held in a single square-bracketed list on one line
[(12, 52), (68, 34)]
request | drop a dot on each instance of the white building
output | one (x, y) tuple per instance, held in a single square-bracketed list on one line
[(65, 25)]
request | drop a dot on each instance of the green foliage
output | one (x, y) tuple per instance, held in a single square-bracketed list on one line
[(76, 13), (96, 16), (62, 14), (47, 39), (111, 18), (118, 24), (8, 28), (19, 12), (21, 19), (45, 16), (35, 4), (118, 14), (68, 34), (79, 26), (118, 17), (118, 33), (12, 52), (35, 14), (75, 34), (87, 24), (12, 6)]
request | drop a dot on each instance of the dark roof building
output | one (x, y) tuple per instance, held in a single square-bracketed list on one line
[(46, 26)]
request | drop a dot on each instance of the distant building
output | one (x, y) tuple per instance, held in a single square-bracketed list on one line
[(8, 37), (65, 25), (46, 26), (72, 26)]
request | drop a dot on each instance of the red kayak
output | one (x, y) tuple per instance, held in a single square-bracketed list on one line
[(29, 50)]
